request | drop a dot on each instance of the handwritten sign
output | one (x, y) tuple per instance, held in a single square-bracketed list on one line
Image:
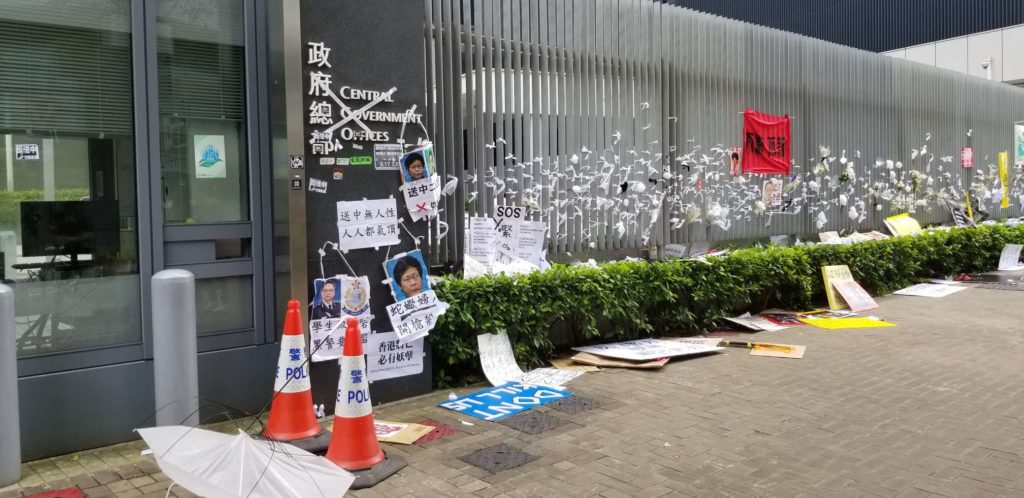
[(414, 317), (367, 223), (387, 357), (499, 402)]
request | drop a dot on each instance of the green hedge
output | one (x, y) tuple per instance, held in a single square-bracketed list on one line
[(637, 299)]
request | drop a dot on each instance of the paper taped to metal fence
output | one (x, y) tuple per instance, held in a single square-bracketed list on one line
[(647, 349)]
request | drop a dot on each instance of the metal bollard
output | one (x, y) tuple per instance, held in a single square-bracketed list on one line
[(175, 361), (10, 422)]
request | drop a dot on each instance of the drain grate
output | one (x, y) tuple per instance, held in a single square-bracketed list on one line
[(497, 458), (532, 422), (575, 404), (440, 431)]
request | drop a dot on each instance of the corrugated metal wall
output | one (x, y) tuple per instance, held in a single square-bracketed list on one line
[(875, 25), (582, 108)]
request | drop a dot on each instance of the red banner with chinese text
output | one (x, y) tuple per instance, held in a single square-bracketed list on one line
[(766, 143)]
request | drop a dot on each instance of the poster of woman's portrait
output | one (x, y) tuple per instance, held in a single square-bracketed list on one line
[(408, 275), (417, 164)]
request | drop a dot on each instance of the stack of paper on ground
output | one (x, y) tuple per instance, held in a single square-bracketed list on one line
[(507, 399), (399, 432), (1009, 259), (209, 463), (930, 290), (500, 367), (846, 323), (759, 323), (647, 349), (839, 279)]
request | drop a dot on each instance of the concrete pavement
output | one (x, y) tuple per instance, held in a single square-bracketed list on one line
[(931, 407)]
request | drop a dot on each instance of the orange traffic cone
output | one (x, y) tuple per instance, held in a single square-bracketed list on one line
[(291, 412), (354, 443)]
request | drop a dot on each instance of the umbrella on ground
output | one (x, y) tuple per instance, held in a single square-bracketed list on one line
[(216, 465)]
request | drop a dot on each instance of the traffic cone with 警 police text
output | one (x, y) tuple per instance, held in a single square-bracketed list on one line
[(354, 445), (291, 411)]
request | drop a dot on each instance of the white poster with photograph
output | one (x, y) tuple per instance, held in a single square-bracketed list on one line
[(413, 318), (367, 223), (771, 194), (388, 357), (1018, 142), (210, 156), (26, 152)]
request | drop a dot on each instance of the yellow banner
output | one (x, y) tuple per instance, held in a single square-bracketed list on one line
[(846, 323), (970, 213), (1004, 179)]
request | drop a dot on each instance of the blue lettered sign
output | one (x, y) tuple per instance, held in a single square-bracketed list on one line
[(499, 402)]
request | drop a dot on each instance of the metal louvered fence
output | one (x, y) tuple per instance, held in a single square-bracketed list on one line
[(609, 120)]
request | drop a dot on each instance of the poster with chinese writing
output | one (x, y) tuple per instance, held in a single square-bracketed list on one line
[(210, 156), (771, 194), (1018, 141), (367, 223), (422, 196), (766, 143), (480, 239), (830, 275), (532, 241), (388, 357), (413, 318), (327, 336), (967, 157)]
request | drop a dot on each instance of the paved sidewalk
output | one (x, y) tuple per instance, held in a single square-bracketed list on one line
[(931, 407)]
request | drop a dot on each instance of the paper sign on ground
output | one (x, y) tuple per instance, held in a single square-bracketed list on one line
[(551, 377), (499, 402), (794, 352), (700, 341), (674, 251), (368, 223), (847, 323), (570, 365), (599, 361), (387, 357), (754, 323), (497, 359), (399, 432), (902, 224), (781, 318), (855, 296), (1009, 259), (930, 290), (646, 349), (828, 236), (415, 317), (832, 274)]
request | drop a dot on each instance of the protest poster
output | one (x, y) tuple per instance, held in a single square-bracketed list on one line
[(700, 341), (532, 239), (551, 377), (415, 317), (846, 323), (367, 223), (902, 224), (855, 296), (399, 432), (1004, 179), (421, 197), (930, 290), (1009, 258), (828, 236), (771, 194), (774, 350), (766, 143), (600, 361), (674, 251), (1018, 140), (832, 274), (506, 227), (480, 240), (417, 164), (569, 364), (327, 336), (507, 399), (646, 349), (407, 274), (497, 359), (755, 322), (388, 357), (782, 318), (967, 157)]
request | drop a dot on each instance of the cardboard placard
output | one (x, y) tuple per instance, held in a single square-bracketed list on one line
[(598, 361), (399, 432), (855, 296), (832, 274), (902, 224), (507, 399)]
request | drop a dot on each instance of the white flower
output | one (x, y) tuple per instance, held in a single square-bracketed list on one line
[(889, 164), (821, 220), (853, 213), (823, 151), (759, 207), (843, 199)]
